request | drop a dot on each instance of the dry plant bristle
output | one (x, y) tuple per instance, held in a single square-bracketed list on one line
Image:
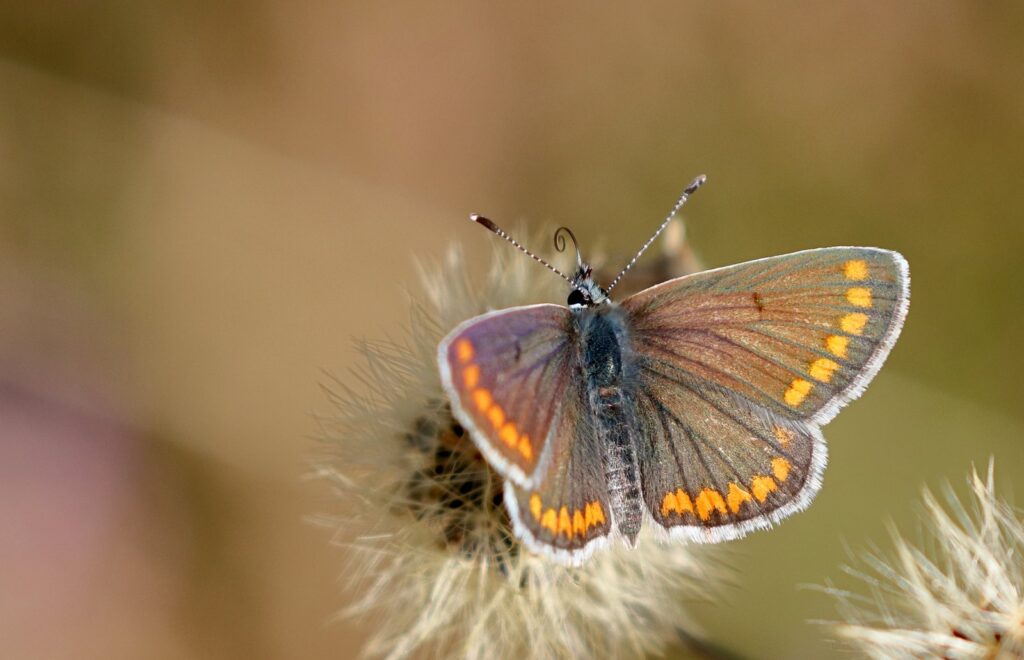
[(433, 564), (960, 596)]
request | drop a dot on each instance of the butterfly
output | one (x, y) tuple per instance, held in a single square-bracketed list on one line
[(694, 406)]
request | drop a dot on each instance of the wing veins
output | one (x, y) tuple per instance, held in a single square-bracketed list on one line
[(663, 422), (689, 430), (771, 442), (741, 347), (713, 370)]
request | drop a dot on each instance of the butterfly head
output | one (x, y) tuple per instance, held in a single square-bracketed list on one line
[(589, 294), (585, 291)]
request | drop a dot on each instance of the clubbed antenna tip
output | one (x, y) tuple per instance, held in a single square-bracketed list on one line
[(687, 191), (490, 226), (481, 220)]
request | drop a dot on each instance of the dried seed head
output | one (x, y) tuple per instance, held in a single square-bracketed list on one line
[(960, 597), (433, 560)]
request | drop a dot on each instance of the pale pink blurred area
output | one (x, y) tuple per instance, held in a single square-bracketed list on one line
[(79, 528), (203, 204), (74, 556)]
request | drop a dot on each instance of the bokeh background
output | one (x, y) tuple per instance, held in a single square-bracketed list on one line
[(201, 204)]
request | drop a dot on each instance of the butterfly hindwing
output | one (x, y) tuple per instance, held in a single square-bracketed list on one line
[(713, 466), (497, 369), (567, 514), (737, 369)]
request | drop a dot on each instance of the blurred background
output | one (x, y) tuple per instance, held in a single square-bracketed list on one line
[(202, 204)]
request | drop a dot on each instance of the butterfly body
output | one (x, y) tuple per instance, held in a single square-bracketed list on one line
[(607, 365), (693, 407)]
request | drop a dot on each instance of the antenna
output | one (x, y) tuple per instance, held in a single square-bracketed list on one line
[(689, 190), (487, 224), (560, 244)]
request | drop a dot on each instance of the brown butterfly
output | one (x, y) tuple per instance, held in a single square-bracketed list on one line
[(694, 406)]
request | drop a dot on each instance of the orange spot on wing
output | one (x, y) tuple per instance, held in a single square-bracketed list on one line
[(859, 296), (464, 350), (471, 376), (535, 505), (836, 345), (579, 524), (669, 504), (856, 270), (482, 399), (853, 323), (737, 496), (762, 486), (797, 392), (822, 369), (683, 500), (508, 433), (593, 514), (525, 448), (783, 435), (709, 499), (550, 521), (564, 522), (780, 468), (676, 502), (497, 416)]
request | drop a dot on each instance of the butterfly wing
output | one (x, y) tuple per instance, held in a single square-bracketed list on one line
[(505, 373), (737, 369), (515, 382), (566, 516)]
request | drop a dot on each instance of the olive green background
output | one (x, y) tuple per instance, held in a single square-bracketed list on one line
[(201, 204)]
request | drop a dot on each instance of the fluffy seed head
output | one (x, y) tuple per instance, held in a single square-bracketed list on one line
[(959, 595), (433, 564)]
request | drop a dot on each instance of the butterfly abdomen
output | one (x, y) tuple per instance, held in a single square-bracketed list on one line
[(602, 349)]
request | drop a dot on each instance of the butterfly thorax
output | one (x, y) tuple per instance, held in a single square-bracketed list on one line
[(606, 359)]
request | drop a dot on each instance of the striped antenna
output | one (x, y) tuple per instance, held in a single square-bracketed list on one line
[(487, 224), (689, 190)]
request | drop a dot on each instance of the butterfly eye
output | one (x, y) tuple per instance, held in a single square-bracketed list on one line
[(578, 298)]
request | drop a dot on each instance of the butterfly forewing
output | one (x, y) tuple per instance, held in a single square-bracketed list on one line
[(799, 334), (737, 368), (506, 373), (515, 381)]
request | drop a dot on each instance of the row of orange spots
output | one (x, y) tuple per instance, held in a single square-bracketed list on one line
[(822, 369), (484, 402), (856, 270), (710, 500), (576, 523)]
